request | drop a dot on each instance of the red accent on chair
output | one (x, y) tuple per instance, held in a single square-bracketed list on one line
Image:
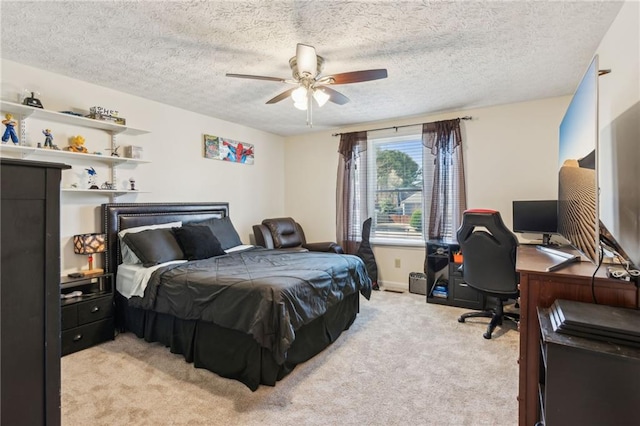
[(489, 211)]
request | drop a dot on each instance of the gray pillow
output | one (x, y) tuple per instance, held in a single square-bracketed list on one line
[(128, 256), (154, 246), (198, 242), (223, 230)]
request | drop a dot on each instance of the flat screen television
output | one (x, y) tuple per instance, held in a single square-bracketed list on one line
[(578, 175), (536, 217)]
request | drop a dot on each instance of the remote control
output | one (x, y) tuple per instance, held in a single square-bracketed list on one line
[(76, 293)]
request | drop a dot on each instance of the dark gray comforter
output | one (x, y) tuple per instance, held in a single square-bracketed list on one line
[(268, 294)]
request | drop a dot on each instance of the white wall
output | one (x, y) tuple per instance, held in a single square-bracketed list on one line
[(178, 171), (510, 153), (619, 122)]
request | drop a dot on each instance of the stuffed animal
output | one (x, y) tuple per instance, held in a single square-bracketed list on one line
[(77, 145)]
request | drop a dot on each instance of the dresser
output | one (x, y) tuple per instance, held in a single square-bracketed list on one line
[(29, 292), (585, 381)]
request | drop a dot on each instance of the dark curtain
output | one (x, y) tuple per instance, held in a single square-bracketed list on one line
[(351, 191), (442, 140)]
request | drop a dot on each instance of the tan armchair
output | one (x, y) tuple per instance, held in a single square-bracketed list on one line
[(286, 233)]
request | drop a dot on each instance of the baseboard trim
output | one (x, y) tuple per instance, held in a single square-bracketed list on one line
[(394, 286)]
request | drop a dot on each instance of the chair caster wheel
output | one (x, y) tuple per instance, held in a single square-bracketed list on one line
[(486, 335), (460, 319)]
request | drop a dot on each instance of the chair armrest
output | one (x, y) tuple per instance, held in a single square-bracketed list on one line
[(263, 236), (329, 247)]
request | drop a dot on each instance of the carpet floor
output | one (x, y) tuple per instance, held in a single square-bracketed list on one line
[(403, 362)]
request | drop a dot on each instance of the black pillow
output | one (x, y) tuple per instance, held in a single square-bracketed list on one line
[(198, 242), (223, 230), (154, 246)]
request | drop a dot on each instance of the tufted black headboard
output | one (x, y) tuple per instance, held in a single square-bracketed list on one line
[(119, 216)]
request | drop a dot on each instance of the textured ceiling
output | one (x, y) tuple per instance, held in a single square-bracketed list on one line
[(439, 55)]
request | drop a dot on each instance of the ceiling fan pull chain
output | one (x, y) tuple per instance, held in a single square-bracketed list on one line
[(309, 106)]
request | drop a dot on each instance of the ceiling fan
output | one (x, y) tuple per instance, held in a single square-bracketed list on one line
[(306, 67)]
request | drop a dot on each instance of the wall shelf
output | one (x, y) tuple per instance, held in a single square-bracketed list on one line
[(23, 112), (110, 192), (26, 151), (26, 111)]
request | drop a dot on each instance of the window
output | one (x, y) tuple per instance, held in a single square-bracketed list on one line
[(395, 186), (399, 186)]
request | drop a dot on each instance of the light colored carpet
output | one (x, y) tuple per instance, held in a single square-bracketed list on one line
[(403, 362)]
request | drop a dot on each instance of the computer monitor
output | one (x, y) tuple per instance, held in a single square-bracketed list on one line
[(536, 217)]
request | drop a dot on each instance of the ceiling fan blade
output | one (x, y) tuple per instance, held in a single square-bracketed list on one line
[(335, 96), (257, 77), (281, 96), (306, 60), (354, 77)]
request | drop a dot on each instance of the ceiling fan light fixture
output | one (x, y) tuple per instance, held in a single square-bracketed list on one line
[(302, 106), (320, 96), (299, 95), (306, 68)]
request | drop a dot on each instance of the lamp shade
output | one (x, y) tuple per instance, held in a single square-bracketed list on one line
[(89, 243), (320, 96), (299, 95)]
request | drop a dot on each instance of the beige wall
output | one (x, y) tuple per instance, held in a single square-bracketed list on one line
[(178, 171), (619, 122), (510, 153)]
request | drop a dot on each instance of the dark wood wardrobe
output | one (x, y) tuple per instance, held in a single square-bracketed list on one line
[(29, 292)]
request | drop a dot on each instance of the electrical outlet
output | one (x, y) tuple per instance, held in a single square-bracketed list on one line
[(397, 263)]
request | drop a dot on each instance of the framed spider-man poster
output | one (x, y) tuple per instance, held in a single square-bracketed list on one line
[(224, 149)]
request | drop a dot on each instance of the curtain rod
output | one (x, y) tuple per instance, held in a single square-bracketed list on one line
[(466, 117)]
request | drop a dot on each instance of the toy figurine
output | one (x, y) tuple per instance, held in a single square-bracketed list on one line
[(48, 138), (92, 178), (77, 145), (10, 131), (132, 181), (32, 101), (114, 151)]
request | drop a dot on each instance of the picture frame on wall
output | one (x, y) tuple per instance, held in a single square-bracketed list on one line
[(219, 148)]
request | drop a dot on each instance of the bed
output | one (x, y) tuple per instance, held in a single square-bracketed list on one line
[(248, 313)]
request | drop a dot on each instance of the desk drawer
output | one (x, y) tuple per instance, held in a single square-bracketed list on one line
[(466, 296), (85, 336)]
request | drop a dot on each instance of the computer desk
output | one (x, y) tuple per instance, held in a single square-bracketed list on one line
[(539, 288)]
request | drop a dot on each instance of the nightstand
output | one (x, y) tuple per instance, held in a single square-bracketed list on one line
[(88, 317)]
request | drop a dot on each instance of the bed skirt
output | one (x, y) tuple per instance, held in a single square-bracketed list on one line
[(233, 354)]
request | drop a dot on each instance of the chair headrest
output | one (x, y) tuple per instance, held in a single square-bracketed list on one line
[(284, 231)]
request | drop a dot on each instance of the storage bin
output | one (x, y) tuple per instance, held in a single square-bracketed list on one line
[(418, 283)]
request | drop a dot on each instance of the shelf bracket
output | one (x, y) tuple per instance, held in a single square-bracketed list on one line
[(113, 168), (23, 130)]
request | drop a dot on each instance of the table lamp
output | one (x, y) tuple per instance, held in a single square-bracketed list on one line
[(90, 244)]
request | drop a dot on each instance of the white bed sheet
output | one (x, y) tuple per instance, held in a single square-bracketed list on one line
[(132, 279)]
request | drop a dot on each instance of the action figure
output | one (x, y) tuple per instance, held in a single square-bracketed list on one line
[(114, 151), (92, 178), (10, 131), (77, 145), (48, 138)]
